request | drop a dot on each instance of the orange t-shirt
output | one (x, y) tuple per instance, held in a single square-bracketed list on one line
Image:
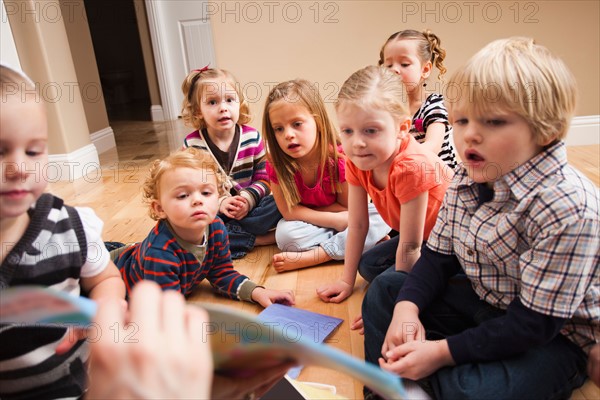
[(413, 171)]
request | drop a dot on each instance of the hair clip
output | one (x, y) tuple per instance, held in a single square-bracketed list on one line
[(419, 125), (195, 79), (201, 69)]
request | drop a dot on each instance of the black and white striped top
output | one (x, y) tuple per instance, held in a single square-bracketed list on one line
[(433, 110), (52, 253)]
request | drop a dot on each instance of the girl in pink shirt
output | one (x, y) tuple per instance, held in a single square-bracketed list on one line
[(308, 179)]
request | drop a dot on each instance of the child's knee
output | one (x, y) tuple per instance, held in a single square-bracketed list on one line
[(384, 289), (283, 238)]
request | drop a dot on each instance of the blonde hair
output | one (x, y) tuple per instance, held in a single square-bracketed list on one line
[(194, 86), (17, 81), (190, 157), (377, 87), (525, 78), (430, 47), (302, 92)]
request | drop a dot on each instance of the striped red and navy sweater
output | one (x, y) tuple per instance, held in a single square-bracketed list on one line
[(162, 259)]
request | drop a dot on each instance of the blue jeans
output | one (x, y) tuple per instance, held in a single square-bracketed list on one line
[(378, 259), (260, 220), (551, 371)]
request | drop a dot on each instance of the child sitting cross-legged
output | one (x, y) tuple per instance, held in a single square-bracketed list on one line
[(215, 107), (503, 301), (307, 170), (189, 243)]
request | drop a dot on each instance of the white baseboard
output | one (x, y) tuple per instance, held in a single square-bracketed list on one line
[(103, 139), (68, 167), (585, 130), (157, 113)]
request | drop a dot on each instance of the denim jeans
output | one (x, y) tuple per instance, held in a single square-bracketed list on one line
[(260, 220), (373, 262), (550, 371)]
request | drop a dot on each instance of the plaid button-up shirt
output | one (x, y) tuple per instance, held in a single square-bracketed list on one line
[(538, 239)]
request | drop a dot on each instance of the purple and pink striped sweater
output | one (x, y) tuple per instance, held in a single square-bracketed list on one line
[(248, 172)]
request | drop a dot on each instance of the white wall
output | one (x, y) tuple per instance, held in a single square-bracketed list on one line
[(8, 50)]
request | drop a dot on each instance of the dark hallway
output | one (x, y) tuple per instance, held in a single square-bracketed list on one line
[(116, 40)]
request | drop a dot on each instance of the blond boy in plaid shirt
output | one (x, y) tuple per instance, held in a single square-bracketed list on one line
[(504, 301)]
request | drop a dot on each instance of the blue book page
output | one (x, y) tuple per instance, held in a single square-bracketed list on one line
[(40, 305), (298, 323)]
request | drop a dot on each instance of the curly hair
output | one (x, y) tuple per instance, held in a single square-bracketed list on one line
[(190, 157), (194, 86)]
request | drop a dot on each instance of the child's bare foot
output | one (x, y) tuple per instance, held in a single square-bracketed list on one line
[(263, 240), (291, 260)]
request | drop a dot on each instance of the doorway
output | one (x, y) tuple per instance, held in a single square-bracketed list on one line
[(116, 40)]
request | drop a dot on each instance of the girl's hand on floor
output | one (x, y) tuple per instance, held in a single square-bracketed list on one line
[(335, 292)]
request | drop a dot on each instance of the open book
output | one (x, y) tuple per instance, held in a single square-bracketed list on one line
[(296, 322), (239, 340)]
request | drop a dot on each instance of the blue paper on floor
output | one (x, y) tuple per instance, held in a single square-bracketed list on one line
[(296, 323)]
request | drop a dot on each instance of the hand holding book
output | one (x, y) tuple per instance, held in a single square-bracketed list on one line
[(241, 344)]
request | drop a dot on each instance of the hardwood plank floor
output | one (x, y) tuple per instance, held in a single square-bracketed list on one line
[(115, 195)]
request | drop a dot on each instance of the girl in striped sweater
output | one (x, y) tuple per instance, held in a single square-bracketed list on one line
[(215, 106), (412, 55)]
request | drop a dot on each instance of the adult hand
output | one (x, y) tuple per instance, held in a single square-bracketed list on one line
[(158, 351), (75, 334)]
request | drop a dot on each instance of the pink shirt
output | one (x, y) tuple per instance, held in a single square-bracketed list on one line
[(319, 195)]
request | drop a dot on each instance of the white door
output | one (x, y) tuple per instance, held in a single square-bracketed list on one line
[(182, 41), (8, 48)]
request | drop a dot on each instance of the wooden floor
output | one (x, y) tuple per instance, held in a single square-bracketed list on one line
[(115, 196)]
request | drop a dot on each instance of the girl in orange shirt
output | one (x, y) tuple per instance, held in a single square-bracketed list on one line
[(406, 181)]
